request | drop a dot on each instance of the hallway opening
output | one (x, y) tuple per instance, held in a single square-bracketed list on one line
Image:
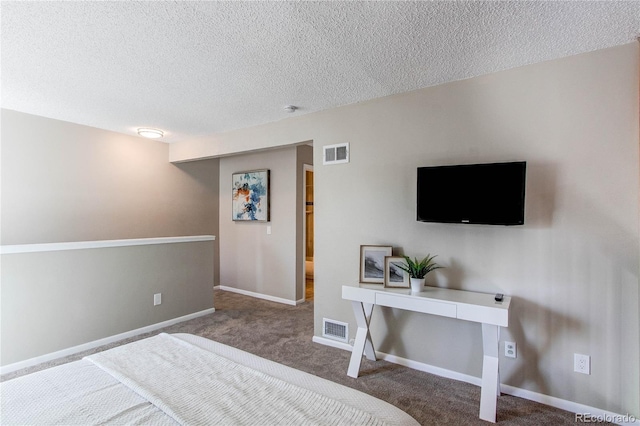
[(309, 265)]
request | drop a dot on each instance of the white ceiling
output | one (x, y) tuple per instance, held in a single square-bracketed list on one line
[(200, 68)]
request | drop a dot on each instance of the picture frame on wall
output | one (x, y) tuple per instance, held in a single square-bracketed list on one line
[(372, 263), (395, 277), (251, 196)]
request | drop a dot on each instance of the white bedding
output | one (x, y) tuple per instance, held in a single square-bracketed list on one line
[(186, 379)]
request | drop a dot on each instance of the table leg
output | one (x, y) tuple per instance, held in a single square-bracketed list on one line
[(362, 344), (490, 378)]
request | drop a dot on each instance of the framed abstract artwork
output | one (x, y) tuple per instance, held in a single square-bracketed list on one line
[(395, 277), (372, 263), (250, 196)]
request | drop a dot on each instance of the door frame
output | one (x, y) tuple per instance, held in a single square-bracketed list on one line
[(306, 168)]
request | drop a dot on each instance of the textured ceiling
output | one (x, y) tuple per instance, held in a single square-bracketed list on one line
[(200, 68)]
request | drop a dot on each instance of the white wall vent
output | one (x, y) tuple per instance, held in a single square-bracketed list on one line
[(335, 330), (335, 154)]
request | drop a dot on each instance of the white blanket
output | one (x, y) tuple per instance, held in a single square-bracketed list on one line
[(197, 387), (77, 393), (185, 379)]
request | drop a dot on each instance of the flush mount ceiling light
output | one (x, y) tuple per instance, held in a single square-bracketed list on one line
[(290, 108), (150, 133)]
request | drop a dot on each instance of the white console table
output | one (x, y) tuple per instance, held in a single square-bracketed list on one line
[(463, 305)]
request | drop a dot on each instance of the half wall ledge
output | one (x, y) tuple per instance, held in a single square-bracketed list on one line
[(80, 245)]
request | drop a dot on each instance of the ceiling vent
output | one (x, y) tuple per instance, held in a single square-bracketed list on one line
[(335, 154), (335, 330)]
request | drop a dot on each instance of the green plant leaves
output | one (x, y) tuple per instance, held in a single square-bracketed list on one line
[(419, 268)]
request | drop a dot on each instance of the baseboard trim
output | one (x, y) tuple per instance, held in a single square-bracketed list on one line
[(10, 368), (257, 295), (428, 368), (574, 407), (332, 343), (563, 404)]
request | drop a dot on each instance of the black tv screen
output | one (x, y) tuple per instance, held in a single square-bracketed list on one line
[(490, 194)]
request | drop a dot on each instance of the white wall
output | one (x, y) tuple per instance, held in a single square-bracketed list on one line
[(572, 269)]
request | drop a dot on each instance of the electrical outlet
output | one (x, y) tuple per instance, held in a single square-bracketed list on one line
[(510, 349), (582, 363), (157, 299)]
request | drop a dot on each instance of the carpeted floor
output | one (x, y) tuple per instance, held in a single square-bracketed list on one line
[(283, 333)]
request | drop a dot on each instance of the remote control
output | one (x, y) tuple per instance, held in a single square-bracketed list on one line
[(499, 297)]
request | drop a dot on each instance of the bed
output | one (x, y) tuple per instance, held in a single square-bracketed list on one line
[(185, 379)]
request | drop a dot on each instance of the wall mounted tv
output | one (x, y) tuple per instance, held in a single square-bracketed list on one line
[(490, 194)]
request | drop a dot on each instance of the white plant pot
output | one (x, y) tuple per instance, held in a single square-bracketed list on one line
[(417, 284)]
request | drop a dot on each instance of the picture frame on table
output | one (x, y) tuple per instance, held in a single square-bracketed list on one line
[(372, 263), (395, 277)]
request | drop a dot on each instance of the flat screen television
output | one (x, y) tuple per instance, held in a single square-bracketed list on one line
[(489, 194)]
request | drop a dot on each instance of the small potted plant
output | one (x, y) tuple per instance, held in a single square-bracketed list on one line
[(418, 269)]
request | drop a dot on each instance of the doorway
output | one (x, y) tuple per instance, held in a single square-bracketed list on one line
[(308, 232)]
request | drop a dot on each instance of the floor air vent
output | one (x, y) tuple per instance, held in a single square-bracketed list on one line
[(335, 330)]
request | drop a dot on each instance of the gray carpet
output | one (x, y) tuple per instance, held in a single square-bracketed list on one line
[(283, 333)]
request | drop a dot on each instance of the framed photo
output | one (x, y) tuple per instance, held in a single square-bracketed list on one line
[(250, 196), (395, 277), (372, 263)]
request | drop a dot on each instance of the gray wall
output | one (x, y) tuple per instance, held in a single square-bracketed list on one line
[(66, 182), (56, 300), (62, 182), (572, 269), (251, 260)]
